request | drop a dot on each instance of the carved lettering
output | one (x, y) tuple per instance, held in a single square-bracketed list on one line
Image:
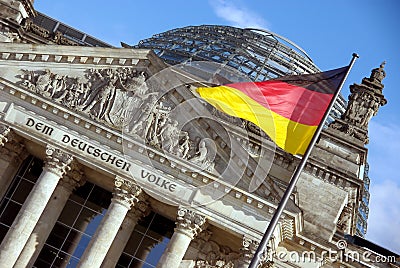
[(74, 143), (96, 152), (159, 181), (92, 150), (38, 126), (164, 184), (30, 122), (45, 129), (111, 158), (119, 163), (82, 146), (126, 166), (65, 139), (101, 156), (90, 147), (87, 148), (172, 187)]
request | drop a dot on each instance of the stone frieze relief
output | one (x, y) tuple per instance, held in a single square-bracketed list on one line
[(115, 97)]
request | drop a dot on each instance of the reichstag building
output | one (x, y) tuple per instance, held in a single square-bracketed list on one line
[(110, 159)]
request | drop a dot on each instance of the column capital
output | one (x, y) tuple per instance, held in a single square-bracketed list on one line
[(126, 192), (57, 161), (140, 209), (13, 151), (189, 222), (73, 178), (11, 148)]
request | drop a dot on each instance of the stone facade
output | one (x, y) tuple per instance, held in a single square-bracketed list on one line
[(102, 130)]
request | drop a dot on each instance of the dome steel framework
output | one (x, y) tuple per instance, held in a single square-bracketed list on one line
[(260, 54)]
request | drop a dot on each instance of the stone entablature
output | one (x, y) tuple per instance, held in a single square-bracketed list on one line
[(70, 55)]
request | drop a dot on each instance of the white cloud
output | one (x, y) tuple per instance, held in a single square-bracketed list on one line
[(384, 216), (238, 16)]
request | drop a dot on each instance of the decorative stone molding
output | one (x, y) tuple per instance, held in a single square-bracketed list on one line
[(189, 222), (16, 10), (126, 192), (216, 263), (29, 26), (57, 37), (327, 175), (156, 127), (267, 264), (57, 161), (28, 5), (364, 102), (249, 247), (8, 34), (73, 178), (109, 96), (11, 148), (114, 97), (140, 208), (210, 254), (288, 229)]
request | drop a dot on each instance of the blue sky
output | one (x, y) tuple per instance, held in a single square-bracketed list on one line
[(330, 31)]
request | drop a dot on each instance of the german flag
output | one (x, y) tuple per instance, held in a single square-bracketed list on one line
[(288, 109)]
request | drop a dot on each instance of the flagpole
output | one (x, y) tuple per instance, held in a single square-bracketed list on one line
[(295, 177)]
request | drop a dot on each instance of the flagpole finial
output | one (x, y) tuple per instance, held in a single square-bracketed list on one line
[(355, 55)]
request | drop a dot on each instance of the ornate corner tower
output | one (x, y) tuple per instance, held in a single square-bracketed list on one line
[(364, 102)]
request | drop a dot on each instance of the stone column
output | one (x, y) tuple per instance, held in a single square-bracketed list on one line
[(49, 217), (140, 209), (12, 153), (57, 163), (125, 194), (188, 225)]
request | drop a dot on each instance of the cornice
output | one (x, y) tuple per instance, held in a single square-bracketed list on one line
[(71, 55)]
